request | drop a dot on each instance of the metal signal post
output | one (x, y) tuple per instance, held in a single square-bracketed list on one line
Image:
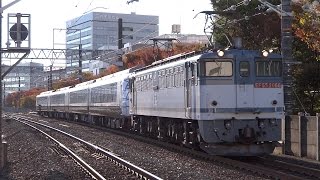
[(2, 163), (3, 145)]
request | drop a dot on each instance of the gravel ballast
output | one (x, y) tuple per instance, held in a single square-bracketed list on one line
[(161, 162), (32, 156)]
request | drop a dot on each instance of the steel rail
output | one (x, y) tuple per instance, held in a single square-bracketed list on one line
[(86, 166), (221, 160), (312, 172), (271, 173), (121, 162)]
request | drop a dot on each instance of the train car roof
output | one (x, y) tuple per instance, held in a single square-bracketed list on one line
[(112, 78), (191, 56), (166, 65), (45, 93), (231, 53), (178, 57)]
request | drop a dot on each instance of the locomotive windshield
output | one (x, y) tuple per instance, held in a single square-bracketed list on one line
[(218, 68), (268, 68)]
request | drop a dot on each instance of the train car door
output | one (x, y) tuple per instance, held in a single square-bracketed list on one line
[(188, 89), (155, 87), (244, 85), (133, 95)]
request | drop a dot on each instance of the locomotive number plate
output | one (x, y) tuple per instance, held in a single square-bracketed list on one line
[(267, 85)]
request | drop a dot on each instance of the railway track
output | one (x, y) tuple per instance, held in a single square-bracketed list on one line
[(96, 151), (249, 165), (286, 165)]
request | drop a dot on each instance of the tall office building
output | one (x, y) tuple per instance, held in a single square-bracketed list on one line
[(100, 31), (22, 77)]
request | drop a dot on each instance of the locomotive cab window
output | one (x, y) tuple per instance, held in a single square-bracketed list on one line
[(244, 69), (268, 68), (217, 68)]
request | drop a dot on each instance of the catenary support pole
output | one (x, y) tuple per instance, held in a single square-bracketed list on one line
[(1, 147), (286, 50)]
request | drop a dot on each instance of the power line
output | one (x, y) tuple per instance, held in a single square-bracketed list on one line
[(85, 12)]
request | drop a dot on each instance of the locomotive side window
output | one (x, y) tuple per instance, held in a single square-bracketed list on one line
[(269, 68), (218, 68), (244, 69)]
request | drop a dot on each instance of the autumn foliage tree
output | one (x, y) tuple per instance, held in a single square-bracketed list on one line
[(262, 31), (110, 70), (307, 87), (24, 99), (258, 30), (147, 56), (306, 24), (72, 80)]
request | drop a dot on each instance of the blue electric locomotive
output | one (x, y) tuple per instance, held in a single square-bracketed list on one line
[(227, 102)]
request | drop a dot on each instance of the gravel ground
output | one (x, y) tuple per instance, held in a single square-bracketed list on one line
[(32, 156), (100, 163), (161, 162)]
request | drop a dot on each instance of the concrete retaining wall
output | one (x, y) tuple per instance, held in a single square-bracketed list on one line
[(302, 136)]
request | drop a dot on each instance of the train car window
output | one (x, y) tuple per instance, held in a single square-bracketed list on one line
[(78, 96), (143, 83), (192, 69), (104, 94), (42, 100), (218, 68), (244, 69), (168, 79), (269, 68)]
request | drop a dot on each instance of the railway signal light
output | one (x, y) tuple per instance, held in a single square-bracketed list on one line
[(18, 31)]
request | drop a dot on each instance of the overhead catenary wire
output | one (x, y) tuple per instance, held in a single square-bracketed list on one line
[(86, 11), (136, 50)]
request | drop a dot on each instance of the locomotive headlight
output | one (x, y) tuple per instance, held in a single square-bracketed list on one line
[(265, 53), (274, 102), (220, 53), (227, 124), (261, 124)]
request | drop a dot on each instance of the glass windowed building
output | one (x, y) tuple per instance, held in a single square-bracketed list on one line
[(99, 30), (22, 77)]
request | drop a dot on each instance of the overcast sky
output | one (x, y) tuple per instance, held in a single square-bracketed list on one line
[(47, 15)]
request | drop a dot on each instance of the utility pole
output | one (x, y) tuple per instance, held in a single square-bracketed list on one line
[(80, 63), (2, 158), (286, 49), (50, 78), (19, 90), (4, 94), (120, 36), (1, 84)]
